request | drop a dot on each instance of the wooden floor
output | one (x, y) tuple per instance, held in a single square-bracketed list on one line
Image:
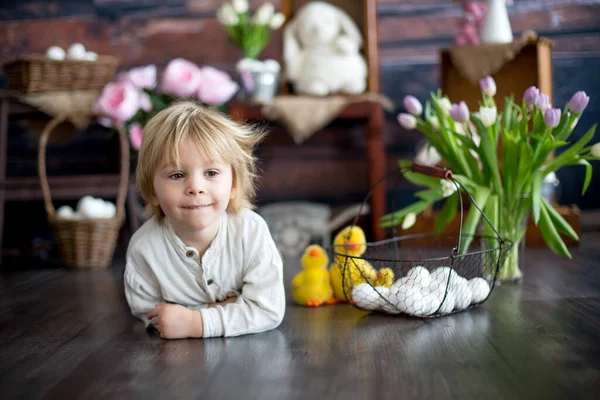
[(68, 334)]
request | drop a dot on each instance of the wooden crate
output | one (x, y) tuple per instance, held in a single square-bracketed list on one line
[(532, 66)]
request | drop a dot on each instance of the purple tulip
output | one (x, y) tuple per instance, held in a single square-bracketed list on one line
[(413, 105), (531, 95), (460, 112), (552, 117), (579, 102), (488, 86), (407, 121), (543, 102)]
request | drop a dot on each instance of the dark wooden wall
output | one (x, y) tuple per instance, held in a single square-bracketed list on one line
[(411, 32)]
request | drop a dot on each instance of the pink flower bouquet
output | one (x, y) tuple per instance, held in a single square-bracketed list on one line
[(137, 95)]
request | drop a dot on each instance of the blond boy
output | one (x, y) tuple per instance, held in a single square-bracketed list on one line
[(204, 264)]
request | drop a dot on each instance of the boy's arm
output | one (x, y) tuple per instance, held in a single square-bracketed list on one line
[(141, 295), (261, 305)]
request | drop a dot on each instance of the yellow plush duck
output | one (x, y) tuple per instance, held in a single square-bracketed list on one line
[(311, 286), (385, 277), (351, 241)]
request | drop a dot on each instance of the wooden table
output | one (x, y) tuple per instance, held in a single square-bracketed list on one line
[(370, 112), (66, 334)]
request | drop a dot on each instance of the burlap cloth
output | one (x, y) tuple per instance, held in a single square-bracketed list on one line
[(75, 104), (304, 115), (478, 61)]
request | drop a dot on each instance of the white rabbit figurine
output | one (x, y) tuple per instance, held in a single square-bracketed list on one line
[(321, 51)]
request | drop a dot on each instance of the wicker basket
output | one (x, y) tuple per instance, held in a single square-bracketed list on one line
[(87, 242), (38, 73)]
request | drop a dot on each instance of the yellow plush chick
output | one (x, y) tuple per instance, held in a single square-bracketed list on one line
[(311, 286), (385, 277), (351, 241)]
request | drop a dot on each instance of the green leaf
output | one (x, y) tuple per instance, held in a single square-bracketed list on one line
[(537, 195), (491, 211), (397, 217), (447, 213), (508, 113), (569, 156), (432, 195), (588, 175), (550, 234), (416, 177), (489, 156), (480, 196), (559, 222)]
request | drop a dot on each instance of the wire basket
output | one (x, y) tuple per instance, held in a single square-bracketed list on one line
[(421, 275), (37, 73), (89, 242)]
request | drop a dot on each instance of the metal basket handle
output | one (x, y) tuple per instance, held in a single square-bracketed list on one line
[(435, 172), (120, 205)]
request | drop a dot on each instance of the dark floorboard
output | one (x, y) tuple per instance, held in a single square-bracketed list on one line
[(68, 334)]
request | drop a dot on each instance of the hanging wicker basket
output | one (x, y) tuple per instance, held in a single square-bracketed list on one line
[(90, 242), (38, 73)]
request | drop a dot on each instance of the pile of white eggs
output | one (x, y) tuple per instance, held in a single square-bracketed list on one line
[(76, 51), (421, 293), (88, 207)]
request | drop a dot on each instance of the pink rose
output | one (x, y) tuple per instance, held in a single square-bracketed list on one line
[(216, 87), (119, 101), (145, 102), (135, 135), (141, 77), (181, 78)]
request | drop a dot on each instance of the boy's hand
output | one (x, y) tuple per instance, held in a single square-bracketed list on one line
[(176, 322)]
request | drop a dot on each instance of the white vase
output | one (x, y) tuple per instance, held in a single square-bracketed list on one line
[(496, 27)]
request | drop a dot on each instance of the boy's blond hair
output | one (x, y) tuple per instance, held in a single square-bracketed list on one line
[(217, 137)]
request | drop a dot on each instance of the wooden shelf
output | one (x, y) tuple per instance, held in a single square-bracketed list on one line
[(61, 187), (372, 114)]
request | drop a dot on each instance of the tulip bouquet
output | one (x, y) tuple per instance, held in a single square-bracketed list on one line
[(137, 95), (501, 157), (251, 33)]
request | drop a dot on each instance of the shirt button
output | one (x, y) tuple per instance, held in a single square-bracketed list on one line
[(210, 281), (189, 254)]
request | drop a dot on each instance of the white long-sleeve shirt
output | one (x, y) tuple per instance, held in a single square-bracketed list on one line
[(241, 261)]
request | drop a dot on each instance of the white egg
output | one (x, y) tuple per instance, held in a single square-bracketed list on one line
[(90, 56), (407, 299), (446, 300), (480, 289), (462, 293), (418, 277), (65, 212), (110, 210), (441, 274), (55, 53), (432, 301), (76, 51), (366, 297)]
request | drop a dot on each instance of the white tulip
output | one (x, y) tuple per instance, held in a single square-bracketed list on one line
[(277, 20), (448, 188), (264, 14), (446, 105), (227, 15), (240, 6), (407, 121), (435, 123), (428, 155), (409, 220), (488, 115), (595, 150)]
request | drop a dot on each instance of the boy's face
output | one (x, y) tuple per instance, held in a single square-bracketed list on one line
[(195, 195)]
